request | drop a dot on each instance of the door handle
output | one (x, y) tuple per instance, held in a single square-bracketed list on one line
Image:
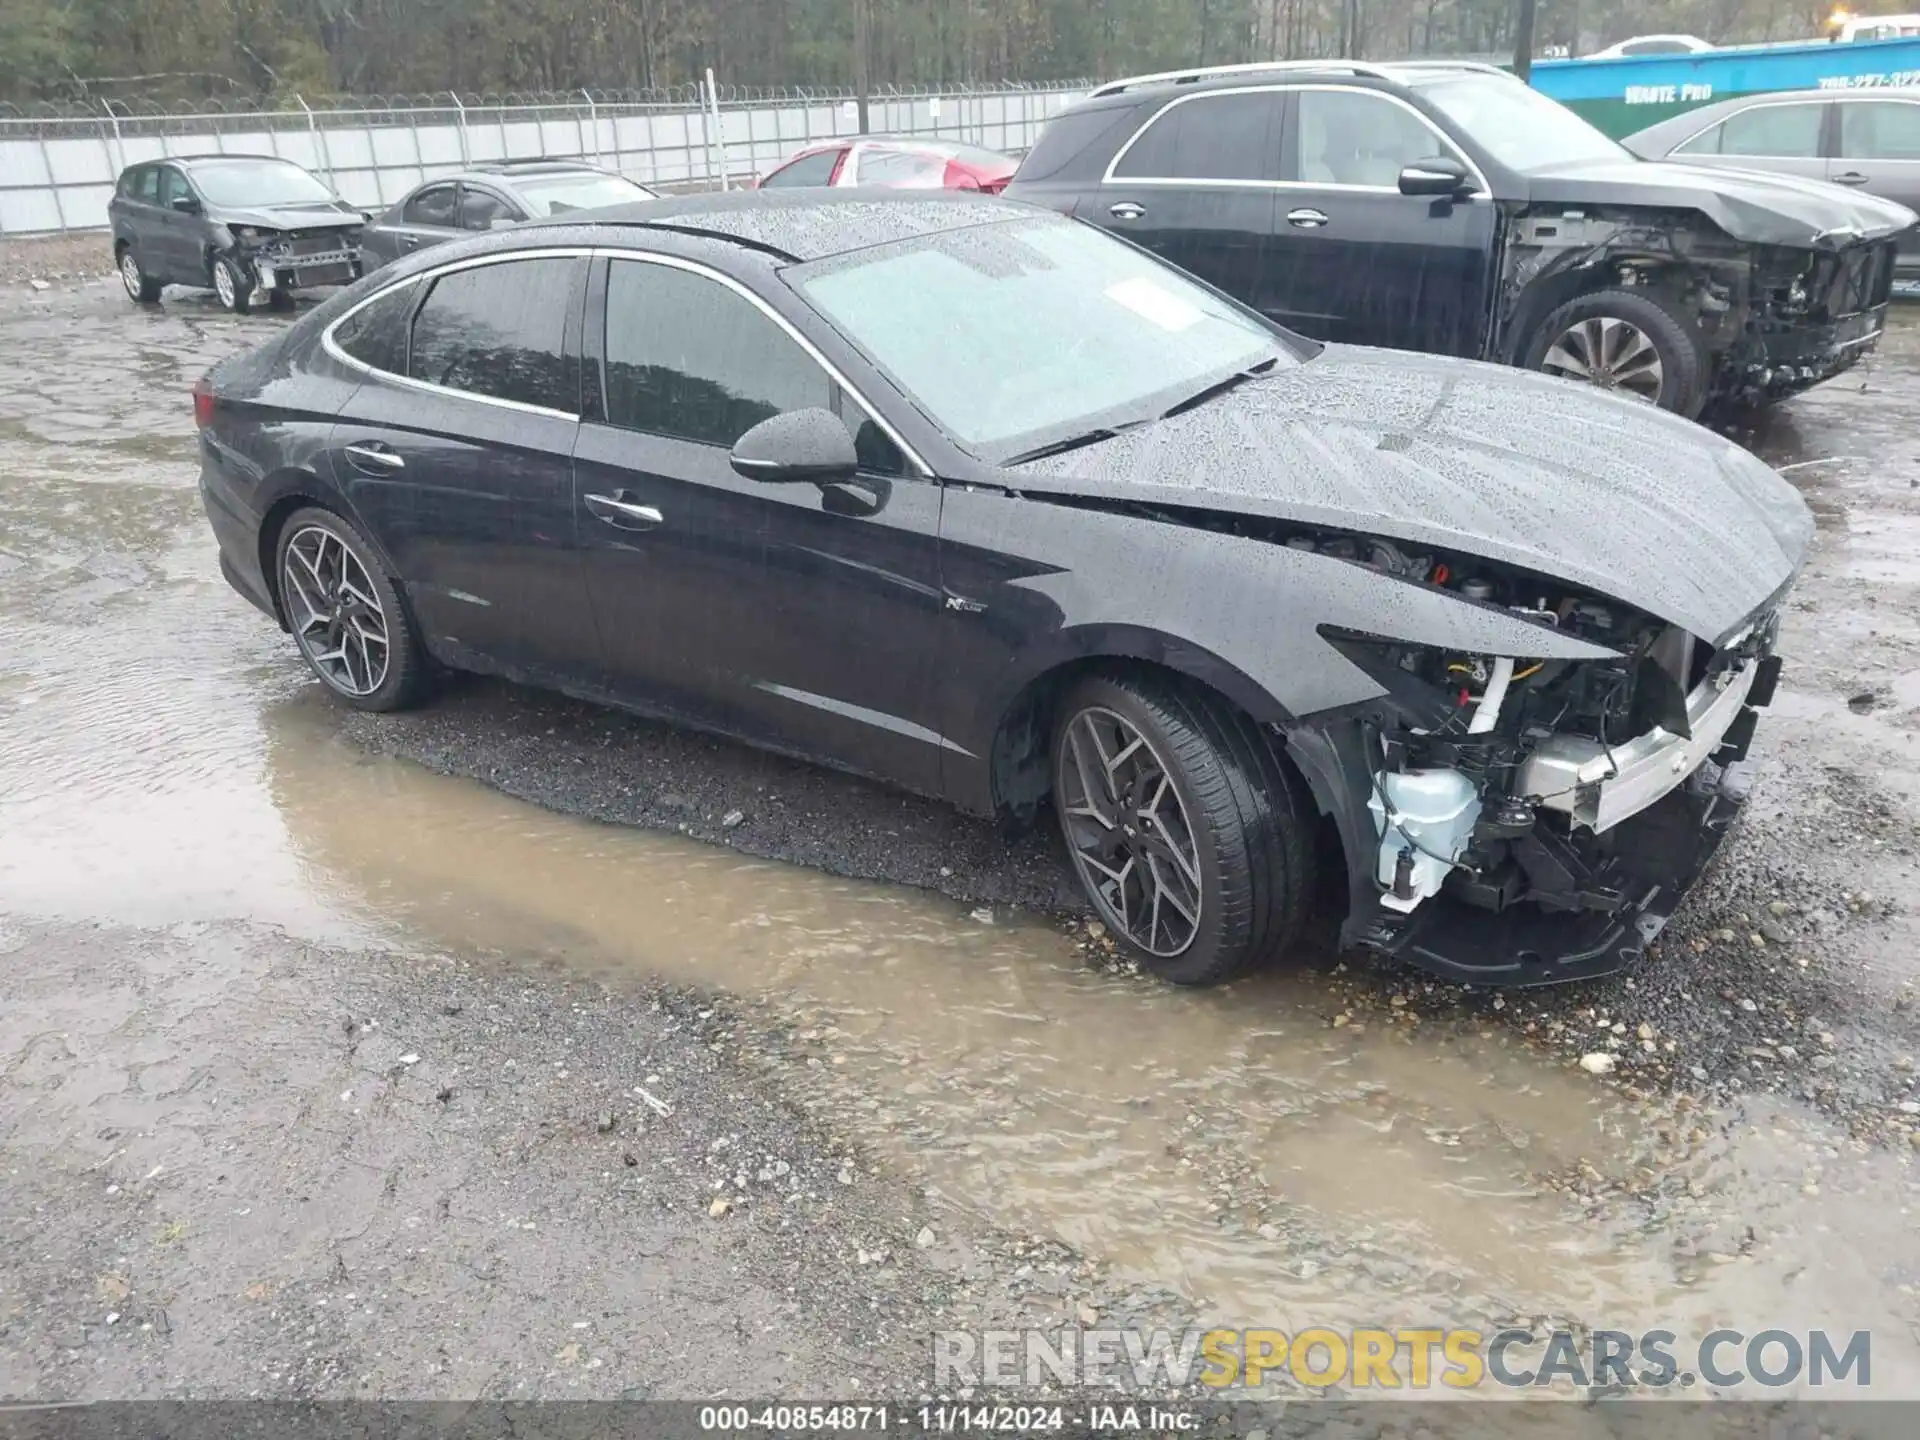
[(1127, 210), (1852, 177), (623, 512), (409, 242), (1306, 219), (374, 458)]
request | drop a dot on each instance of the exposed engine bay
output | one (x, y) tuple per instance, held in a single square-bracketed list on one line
[(1501, 780), (1776, 318)]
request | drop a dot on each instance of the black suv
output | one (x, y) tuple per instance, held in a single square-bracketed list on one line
[(1449, 207), (237, 224)]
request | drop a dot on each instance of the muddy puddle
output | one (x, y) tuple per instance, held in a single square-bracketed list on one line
[(162, 762)]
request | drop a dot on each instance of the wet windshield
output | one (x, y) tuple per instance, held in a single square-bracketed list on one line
[(1516, 124), (1007, 332), (579, 192), (258, 182)]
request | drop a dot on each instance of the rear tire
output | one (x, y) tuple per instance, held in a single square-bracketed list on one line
[(232, 285), (1624, 341), (141, 288), (1185, 775), (346, 613)]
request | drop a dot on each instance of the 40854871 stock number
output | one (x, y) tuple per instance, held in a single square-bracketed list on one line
[(923, 1420)]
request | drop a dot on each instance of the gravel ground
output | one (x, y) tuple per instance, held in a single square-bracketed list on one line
[(42, 262), (339, 1172)]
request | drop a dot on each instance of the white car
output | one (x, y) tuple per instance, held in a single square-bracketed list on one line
[(1877, 27), (1653, 45)]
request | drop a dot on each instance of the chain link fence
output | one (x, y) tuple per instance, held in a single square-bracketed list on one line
[(58, 164)]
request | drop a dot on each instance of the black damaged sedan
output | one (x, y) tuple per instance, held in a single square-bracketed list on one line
[(988, 504)]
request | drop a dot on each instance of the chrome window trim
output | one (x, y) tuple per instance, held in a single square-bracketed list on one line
[(1734, 114), (332, 346), (694, 267), (1481, 187), (564, 252)]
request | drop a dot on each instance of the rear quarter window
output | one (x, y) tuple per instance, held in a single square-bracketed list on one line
[(1078, 143), (376, 333)]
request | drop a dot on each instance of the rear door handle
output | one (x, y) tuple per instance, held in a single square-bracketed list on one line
[(373, 458), (623, 512), (1127, 210), (1306, 219), (1852, 177)]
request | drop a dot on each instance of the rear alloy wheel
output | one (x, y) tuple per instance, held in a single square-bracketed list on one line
[(1187, 831), (1622, 341), (233, 288), (346, 615), (140, 289)]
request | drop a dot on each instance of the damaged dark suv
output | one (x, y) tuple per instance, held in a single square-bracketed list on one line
[(1447, 207), (980, 501)]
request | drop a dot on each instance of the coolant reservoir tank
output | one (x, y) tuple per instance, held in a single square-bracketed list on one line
[(1431, 812)]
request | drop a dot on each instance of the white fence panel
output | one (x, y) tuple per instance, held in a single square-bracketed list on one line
[(57, 172)]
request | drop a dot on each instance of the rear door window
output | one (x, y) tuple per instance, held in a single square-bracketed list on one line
[(146, 185), (816, 169), (1229, 136), (1780, 132), (499, 331), (436, 206), (901, 169), (1879, 130), (1355, 137)]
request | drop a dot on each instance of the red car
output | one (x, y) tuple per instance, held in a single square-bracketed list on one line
[(896, 164)]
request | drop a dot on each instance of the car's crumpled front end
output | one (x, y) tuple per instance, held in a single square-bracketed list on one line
[(1537, 820), (296, 248)]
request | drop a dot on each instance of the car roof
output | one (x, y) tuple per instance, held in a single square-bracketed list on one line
[(192, 160), (804, 224), (1221, 76)]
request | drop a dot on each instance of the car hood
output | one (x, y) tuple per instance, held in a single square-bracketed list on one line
[(320, 216), (1610, 495), (1758, 207)]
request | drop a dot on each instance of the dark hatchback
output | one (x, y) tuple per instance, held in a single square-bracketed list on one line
[(982, 502), (236, 224), (1448, 207)]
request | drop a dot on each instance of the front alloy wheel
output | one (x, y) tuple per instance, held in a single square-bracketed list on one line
[(1187, 829), (1609, 352), (232, 286), (1129, 833)]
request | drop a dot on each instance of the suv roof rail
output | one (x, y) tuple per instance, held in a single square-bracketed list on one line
[(1207, 72), (1479, 66)]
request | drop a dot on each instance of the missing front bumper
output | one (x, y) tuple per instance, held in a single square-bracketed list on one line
[(1670, 842)]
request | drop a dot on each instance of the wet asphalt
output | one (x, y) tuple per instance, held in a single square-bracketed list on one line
[(230, 913)]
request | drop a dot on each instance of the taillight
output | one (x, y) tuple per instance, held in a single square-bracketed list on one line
[(203, 403)]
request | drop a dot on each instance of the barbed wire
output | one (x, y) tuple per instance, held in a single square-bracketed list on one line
[(403, 107)]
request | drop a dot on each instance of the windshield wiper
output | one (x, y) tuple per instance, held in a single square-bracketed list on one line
[(1072, 442), (1219, 387)]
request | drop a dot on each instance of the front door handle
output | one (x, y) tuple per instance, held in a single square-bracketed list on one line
[(1306, 219), (623, 512), (1127, 210), (373, 458), (1852, 177)]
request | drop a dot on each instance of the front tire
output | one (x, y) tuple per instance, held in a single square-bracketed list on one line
[(346, 613), (1624, 341), (141, 288), (232, 285), (1189, 834)]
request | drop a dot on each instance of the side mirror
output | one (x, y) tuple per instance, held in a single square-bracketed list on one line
[(799, 445), (186, 204), (1436, 175)]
